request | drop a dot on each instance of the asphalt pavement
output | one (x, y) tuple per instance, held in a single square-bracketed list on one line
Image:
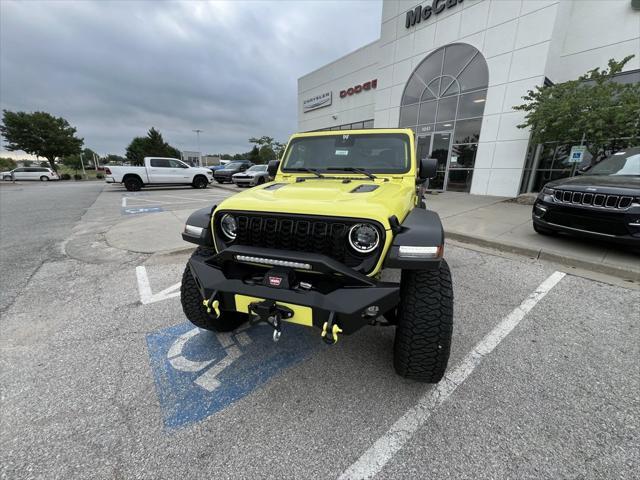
[(102, 377), (35, 218)]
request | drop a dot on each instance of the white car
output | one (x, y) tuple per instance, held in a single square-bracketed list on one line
[(252, 176), (43, 174), (159, 171)]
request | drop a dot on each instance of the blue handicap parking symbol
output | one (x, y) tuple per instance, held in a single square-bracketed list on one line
[(198, 372), (137, 210)]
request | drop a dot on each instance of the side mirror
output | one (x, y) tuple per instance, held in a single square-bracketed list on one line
[(428, 168), (272, 168)]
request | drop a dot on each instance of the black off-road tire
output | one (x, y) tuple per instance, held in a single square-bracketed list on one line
[(200, 181), (219, 181), (261, 180), (425, 324), (196, 312), (132, 183)]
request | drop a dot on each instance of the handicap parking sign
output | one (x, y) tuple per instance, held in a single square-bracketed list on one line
[(198, 372)]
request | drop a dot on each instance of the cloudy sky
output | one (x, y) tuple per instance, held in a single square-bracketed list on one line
[(113, 69)]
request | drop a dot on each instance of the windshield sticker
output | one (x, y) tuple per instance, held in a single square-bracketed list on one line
[(342, 152)]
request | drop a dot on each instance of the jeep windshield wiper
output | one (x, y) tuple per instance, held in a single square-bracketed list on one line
[(353, 169), (304, 169)]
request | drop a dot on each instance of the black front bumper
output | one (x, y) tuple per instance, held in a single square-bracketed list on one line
[(621, 226), (335, 288)]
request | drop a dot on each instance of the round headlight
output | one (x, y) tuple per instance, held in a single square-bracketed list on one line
[(364, 238), (229, 226)]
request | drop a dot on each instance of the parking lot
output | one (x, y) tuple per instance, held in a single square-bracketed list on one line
[(103, 377)]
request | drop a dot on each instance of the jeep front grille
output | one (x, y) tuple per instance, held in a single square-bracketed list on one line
[(593, 199), (324, 235)]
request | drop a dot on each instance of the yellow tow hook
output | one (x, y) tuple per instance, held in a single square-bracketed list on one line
[(212, 306), (330, 332)]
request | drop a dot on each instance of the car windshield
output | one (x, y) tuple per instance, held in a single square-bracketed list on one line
[(233, 165), (378, 153), (257, 168), (619, 163)]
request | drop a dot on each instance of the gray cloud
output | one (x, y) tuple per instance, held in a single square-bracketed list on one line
[(114, 69)]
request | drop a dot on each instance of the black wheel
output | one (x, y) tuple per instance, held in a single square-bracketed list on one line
[(133, 184), (542, 230), (425, 324), (44, 178), (200, 182), (196, 312), (260, 180), (219, 181), (7, 178)]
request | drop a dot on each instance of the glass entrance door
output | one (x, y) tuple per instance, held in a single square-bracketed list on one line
[(440, 148)]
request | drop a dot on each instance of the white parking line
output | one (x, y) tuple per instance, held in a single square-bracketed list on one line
[(144, 287), (124, 202), (383, 450)]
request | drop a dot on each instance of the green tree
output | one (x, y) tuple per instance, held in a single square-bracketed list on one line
[(41, 134), (254, 155), (594, 106), (7, 163), (73, 161), (266, 154), (226, 156), (153, 145), (27, 163)]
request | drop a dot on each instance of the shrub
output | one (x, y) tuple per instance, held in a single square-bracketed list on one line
[(65, 176), (77, 177), (99, 176)]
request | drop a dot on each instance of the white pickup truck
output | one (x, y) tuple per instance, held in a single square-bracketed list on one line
[(159, 171)]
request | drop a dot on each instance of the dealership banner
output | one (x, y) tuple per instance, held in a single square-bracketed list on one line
[(319, 101)]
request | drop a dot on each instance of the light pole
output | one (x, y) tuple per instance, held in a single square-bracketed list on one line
[(198, 131)]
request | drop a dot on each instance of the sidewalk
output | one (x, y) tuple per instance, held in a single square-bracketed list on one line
[(479, 220)]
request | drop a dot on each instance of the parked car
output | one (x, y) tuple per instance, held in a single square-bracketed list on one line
[(603, 202), (43, 174), (215, 167), (223, 175), (252, 176), (159, 171), (310, 249)]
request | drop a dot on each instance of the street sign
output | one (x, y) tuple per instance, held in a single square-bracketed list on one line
[(577, 154)]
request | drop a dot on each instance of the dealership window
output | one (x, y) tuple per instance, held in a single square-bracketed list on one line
[(443, 102), (550, 161)]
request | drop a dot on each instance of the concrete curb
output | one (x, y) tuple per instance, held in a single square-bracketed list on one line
[(541, 254)]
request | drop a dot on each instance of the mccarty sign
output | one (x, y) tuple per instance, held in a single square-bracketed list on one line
[(319, 101), (421, 13)]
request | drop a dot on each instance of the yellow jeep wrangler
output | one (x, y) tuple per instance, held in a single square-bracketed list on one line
[(310, 247)]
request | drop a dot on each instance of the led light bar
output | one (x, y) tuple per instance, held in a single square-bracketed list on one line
[(193, 230), (407, 251), (274, 262)]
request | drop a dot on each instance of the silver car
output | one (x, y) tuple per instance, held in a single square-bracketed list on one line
[(256, 175), (43, 174)]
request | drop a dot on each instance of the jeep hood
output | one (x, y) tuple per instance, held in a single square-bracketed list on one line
[(329, 198)]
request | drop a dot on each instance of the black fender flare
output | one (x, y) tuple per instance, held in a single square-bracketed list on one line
[(199, 219), (420, 228)]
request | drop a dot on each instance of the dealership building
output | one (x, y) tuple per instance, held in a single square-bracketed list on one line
[(452, 70)]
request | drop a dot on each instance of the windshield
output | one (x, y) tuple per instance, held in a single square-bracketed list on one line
[(379, 153), (233, 165), (257, 168), (617, 164)]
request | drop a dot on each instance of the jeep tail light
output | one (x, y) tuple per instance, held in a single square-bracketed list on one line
[(107, 171)]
